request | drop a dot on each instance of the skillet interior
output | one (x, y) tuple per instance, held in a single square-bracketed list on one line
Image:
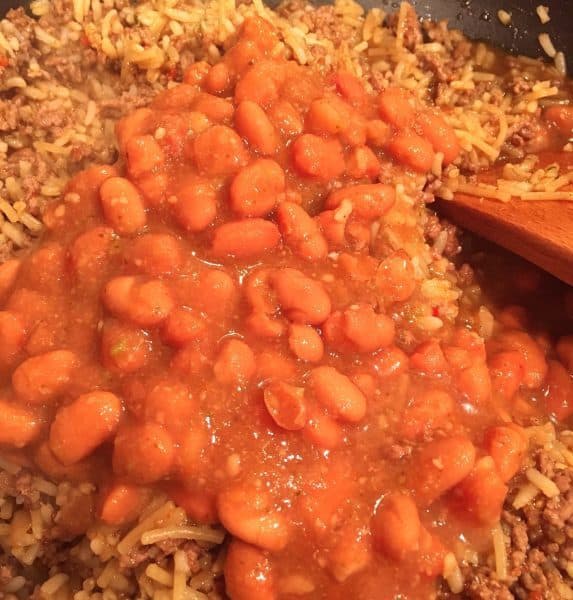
[(477, 19)]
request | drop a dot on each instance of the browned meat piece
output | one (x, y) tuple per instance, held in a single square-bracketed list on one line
[(465, 275), (127, 102), (8, 115), (540, 549), (436, 228), (412, 32), (528, 134), (324, 21), (482, 586)]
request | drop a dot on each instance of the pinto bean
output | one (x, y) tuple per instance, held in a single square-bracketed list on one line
[(196, 206), (303, 299), (122, 504), (253, 124), (317, 157), (8, 274), (145, 303), (260, 83), (122, 206), (265, 326), (338, 394), (396, 526), (218, 79), (217, 293), (434, 128), (248, 512), (412, 150), (333, 228), (369, 201), (246, 238), (18, 426), (322, 430), (327, 116), (143, 452), (378, 133), (286, 118), (395, 277), (397, 106), (170, 403), (390, 362), (189, 362), (431, 555), (362, 162), (358, 329), (429, 358), (482, 493), (366, 330), (273, 365), (89, 469), (300, 232), (156, 254), (124, 348), (184, 325), (196, 72), (219, 151), (199, 505), (181, 97), (350, 87), (507, 445), (41, 379), (475, 382), (429, 410), (138, 122), (534, 359), (235, 364), (190, 459), (248, 573), (90, 253), (256, 189), (286, 405), (217, 110), (258, 291), (80, 427), (439, 466), (13, 335), (305, 342), (507, 371), (349, 554), (144, 155)]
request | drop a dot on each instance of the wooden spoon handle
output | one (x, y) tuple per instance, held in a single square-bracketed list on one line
[(541, 232)]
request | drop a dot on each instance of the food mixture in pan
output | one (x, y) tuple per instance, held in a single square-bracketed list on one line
[(239, 355)]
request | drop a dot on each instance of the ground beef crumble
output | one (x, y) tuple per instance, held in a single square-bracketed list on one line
[(445, 233), (539, 540), (412, 31), (64, 544), (161, 552)]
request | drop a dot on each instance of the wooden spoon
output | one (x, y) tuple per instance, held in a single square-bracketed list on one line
[(541, 232)]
